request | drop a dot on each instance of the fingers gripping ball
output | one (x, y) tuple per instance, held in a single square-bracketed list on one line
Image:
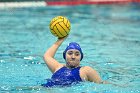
[(60, 26)]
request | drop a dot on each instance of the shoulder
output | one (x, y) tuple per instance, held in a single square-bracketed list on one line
[(91, 74), (59, 67), (87, 70)]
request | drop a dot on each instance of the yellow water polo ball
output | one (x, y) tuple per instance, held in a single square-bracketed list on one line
[(60, 26)]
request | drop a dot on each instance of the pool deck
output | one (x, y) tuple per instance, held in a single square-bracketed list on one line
[(22, 4), (79, 2), (65, 2)]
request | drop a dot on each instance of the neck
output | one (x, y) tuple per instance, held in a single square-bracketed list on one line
[(71, 67)]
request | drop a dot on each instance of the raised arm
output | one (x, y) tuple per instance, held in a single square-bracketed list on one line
[(52, 63)]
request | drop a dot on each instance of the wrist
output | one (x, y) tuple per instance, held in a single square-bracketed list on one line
[(59, 42)]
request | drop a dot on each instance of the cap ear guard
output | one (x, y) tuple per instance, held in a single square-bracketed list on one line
[(81, 56), (64, 53)]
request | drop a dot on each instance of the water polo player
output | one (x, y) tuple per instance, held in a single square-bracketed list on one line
[(71, 72)]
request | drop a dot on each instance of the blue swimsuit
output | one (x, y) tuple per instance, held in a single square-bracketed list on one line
[(64, 77)]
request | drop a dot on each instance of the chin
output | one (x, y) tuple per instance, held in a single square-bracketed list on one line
[(72, 66)]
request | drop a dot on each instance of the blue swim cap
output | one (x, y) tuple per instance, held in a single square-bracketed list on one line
[(73, 45)]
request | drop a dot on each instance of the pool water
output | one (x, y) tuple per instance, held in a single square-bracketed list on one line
[(108, 34)]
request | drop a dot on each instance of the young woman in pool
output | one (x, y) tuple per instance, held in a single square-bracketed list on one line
[(71, 72)]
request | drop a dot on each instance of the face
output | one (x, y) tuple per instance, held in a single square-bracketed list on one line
[(73, 57)]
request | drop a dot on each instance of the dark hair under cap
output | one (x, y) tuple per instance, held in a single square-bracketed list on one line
[(73, 45)]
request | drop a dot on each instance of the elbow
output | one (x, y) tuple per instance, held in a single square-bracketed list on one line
[(45, 56), (102, 82), (105, 82), (97, 82)]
